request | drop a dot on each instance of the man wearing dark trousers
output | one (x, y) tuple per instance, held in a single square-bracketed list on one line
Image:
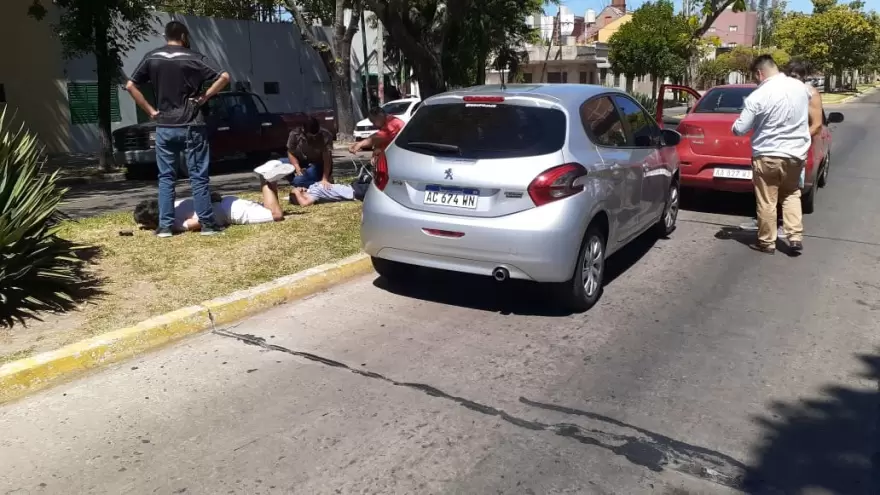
[(178, 75)]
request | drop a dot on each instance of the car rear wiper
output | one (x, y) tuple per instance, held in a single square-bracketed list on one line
[(443, 148)]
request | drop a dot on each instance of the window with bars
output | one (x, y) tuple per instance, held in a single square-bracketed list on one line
[(82, 98)]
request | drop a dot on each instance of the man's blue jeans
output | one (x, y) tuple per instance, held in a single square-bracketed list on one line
[(312, 173), (193, 142)]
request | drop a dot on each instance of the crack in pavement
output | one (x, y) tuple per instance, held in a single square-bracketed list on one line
[(644, 448)]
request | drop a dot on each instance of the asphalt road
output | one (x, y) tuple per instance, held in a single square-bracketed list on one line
[(706, 368), (94, 199)]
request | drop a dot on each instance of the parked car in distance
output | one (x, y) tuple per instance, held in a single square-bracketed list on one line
[(531, 182), (402, 109), (239, 126), (712, 157)]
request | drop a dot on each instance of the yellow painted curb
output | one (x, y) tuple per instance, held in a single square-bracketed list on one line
[(26, 376), (243, 303)]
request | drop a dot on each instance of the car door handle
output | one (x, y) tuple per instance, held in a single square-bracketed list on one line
[(616, 171), (222, 128), (266, 124)]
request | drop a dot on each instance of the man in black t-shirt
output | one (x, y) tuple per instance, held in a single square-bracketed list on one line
[(178, 74)]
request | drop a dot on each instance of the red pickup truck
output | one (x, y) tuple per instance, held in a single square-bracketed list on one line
[(239, 126)]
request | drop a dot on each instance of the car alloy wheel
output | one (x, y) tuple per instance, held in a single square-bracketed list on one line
[(671, 215), (592, 270)]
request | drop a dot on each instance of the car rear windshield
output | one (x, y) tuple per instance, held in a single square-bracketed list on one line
[(397, 107), (724, 100), (479, 130)]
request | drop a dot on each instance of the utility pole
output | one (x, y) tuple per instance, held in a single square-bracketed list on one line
[(365, 66), (380, 59)]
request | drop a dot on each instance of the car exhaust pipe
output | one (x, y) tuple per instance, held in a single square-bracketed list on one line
[(500, 274)]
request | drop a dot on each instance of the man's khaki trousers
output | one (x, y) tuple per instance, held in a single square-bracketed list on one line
[(777, 180)]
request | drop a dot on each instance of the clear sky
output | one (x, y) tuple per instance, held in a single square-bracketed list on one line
[(578, 7)]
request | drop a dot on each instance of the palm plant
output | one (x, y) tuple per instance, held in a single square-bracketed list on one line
[(39, 271)]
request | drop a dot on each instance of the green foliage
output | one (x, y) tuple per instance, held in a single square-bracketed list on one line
[(647, 101), (712, 71), (656, 42), (740, 58), (40, 271), (833, 39), (489, 30), (250, 10)]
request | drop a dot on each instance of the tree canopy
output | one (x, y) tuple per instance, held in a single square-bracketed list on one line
[(833, 38), (656, 42)]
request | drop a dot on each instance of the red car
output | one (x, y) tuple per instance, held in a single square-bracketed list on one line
[(712, 157)]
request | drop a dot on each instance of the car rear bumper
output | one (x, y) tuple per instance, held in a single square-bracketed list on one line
[(539, 244), (136, 157), (697, 171), (359, 135)]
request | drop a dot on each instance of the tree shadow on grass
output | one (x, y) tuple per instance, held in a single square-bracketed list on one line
[(828, 444)]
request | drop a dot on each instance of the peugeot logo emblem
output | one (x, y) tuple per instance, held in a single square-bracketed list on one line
[(448, 174)]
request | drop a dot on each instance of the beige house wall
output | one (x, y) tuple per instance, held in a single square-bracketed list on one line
[(32, 73), (606, 32)]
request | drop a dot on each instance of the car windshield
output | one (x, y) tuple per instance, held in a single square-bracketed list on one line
[(476, 131), (396, 107), (724, 100)]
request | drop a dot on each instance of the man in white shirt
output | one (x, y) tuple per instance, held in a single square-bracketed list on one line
[(778, 113), (228, 210)]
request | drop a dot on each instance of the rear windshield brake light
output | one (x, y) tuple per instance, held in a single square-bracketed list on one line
[(483, 99)]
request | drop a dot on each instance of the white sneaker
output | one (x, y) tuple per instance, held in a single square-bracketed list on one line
[(274, 170), (780, 233), (750, 225)]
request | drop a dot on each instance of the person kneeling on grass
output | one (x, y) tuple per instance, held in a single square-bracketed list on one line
[(228, 210)]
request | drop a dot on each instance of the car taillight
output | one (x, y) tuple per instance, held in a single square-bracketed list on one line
[(692, 132), (556, 183), (381, 176)]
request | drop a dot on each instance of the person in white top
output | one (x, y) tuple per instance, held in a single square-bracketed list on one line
[(778, 113), (228, 210)]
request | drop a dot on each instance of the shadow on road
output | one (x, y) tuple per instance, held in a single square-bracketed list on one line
[(515, 297), (718, 202), (829, 444)]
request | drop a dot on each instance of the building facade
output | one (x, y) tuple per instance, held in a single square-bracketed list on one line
[(735, 28)]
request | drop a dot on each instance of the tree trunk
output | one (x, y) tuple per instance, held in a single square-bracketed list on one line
[(827, 81), (481, 67), (630, 79), (342, 93), (338, 64), (106, 70)]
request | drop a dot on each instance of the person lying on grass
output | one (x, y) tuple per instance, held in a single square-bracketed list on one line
[(321, 193), (228, 210)]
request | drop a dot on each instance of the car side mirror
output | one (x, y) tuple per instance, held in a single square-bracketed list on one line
[(835, 118), (688, 110), (670, 137)]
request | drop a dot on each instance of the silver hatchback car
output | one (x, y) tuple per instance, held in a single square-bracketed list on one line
[(532, 182)]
